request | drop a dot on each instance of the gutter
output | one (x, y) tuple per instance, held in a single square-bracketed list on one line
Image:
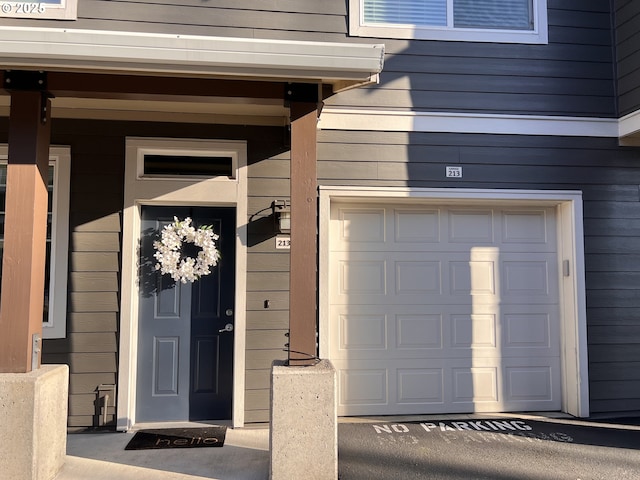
[(344, 65)]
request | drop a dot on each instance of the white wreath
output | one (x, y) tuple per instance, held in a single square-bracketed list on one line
[(169, 251)]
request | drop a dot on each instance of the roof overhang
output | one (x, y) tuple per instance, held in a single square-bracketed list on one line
[(342, 65)]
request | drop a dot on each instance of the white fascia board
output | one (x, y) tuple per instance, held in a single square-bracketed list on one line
[(130, 52), (442, 122)]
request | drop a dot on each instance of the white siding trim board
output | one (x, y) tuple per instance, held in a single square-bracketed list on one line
[(444, 122), (629, 129), (337, 118), (574, 365)]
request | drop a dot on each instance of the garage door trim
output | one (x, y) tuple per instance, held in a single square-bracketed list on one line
[(568, 204)]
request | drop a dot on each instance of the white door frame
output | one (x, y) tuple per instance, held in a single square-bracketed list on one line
[(573, 317), (140, 190)]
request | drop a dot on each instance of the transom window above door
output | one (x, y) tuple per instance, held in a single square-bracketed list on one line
[(508, 21), (167, 165)]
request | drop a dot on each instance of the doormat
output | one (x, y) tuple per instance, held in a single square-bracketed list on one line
[(177, 438)]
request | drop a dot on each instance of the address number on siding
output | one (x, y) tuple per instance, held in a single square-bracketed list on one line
[(283, 243), (454, 172)]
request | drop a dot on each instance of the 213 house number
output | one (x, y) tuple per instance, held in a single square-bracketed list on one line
[(23, 8), (283, 243)]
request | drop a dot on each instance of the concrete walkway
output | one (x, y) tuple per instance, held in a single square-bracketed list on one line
[(455, 447), (101, 456)]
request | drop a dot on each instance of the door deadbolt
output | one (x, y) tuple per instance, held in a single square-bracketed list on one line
[(228, 312)]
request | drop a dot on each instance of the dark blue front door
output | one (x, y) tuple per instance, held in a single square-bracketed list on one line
[(185, 347)]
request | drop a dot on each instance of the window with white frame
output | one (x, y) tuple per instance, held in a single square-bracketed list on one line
[(500, 21), (55, 290)]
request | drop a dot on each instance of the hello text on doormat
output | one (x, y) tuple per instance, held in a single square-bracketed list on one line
[(177, 438)]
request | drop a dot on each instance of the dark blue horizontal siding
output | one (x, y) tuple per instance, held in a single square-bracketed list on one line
[(627, 26)]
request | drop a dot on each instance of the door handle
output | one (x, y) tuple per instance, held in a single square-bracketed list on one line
[(227, 328)]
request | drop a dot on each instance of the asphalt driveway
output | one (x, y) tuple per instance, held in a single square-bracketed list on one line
[(489, 449)]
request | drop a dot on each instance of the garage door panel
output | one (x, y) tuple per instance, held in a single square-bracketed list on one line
[(442, 331), (452, 386), (364, 226), (475, 384), (437, 309), (362, 278), (528, 330), (528, 227), (422, 386), (380, 229), (418, 277), (416, 227), (363, 385), (530, 278), (482, 277), (528, 383), (362, 331), (471, 227), (421, 331), (472, 331)]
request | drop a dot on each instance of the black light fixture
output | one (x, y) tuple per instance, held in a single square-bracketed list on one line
[(282, 215)]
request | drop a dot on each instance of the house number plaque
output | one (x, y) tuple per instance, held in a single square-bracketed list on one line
[(454, 172), (283, 243)]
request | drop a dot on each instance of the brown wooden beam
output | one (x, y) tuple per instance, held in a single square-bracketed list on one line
[(304, 200), (133, 87), (158, 88), (25, 230)]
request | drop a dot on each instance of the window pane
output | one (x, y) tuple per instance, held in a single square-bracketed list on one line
[(413, 12), (179, 165), (505, 14)]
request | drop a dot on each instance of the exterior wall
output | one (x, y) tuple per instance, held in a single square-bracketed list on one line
[(97, 182), (90, 348), (573, 75), (604, 172), (627, 25), (241, 18)]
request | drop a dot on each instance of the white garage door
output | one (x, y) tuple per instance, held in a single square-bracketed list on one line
[(437, 309)]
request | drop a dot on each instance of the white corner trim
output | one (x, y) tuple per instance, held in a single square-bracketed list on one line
[(91, 50), (629, 124), (443, 122)]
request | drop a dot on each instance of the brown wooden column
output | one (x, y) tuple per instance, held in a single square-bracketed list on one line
[(303, 278), (23, 264)]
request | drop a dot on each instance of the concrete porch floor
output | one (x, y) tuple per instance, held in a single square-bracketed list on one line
[(101, 456)]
